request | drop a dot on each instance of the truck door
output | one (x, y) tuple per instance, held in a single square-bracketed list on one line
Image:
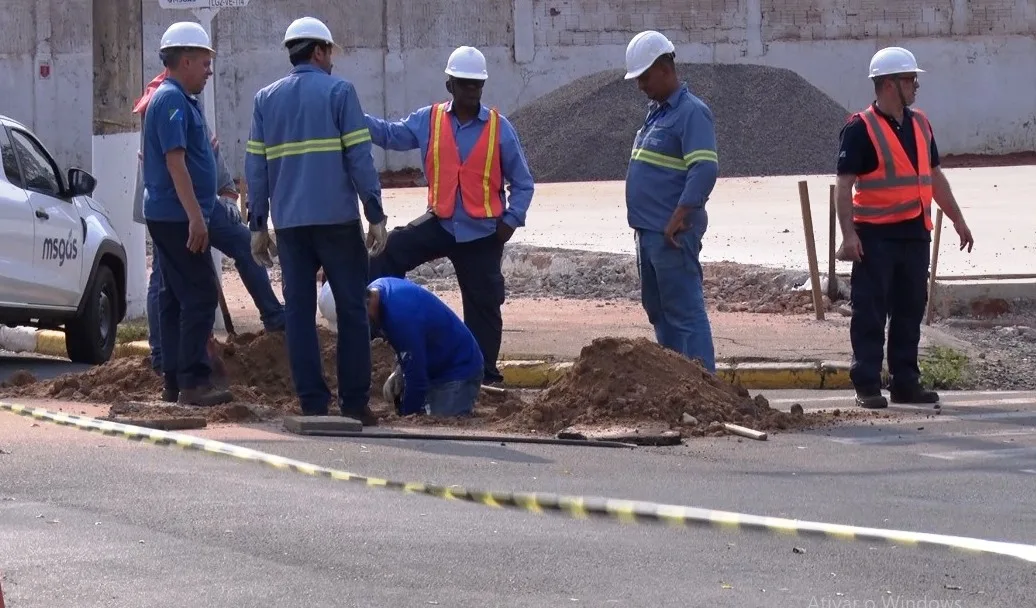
[(17, 227), (58, 241)]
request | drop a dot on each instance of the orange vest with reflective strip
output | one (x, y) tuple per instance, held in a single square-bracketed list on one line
[(895, 192), (479, 177)]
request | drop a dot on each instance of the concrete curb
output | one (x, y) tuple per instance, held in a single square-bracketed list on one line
[(517, 373), (52, 343), (770, 376)]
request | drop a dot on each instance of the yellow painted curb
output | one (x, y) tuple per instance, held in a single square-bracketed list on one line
[(50, 342), (531, 374), (756, 376), (139, 348)]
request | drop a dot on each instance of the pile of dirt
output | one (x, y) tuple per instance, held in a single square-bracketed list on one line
[(583, 131), (257, 365), (622, 381)]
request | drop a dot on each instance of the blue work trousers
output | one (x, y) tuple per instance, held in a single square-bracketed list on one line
[(233, 239), (672, 294), (187, 303), (455, 398), (338, 249), (479, 276), (888, 286)]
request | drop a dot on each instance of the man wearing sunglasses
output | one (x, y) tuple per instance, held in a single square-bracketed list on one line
[(888, 153), (469, 151)]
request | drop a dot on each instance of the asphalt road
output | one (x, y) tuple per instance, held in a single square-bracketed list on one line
[(39, 366), (88, 520)]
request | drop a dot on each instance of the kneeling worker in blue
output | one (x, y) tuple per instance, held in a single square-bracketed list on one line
[(440, 364)]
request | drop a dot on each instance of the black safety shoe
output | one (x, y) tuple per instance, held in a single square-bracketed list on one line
[(913, 395), (205, 396), (365, 417), (871, 399), (170, 394)]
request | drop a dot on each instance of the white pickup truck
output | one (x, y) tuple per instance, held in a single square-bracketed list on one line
[(62, 265)]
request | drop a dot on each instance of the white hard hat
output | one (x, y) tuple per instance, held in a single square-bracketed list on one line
[(467, 62), (308, 28), (326, 303), (643, 50), (893, 60), (186, 34)]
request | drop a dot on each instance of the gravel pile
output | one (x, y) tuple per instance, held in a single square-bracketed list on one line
[(1003, 349), (584, 130), (540, 272)]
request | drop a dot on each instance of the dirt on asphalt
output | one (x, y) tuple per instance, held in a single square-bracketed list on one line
[(615, 381)]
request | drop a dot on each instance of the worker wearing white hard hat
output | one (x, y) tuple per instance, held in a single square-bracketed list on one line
[(180, 178), (888, 154), (308, 166), (672, 170), (469, 153)]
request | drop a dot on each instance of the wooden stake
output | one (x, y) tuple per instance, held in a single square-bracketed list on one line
[(832, 221), (935, 265), (811, 250)]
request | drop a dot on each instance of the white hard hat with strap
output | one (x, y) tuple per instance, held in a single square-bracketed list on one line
[(306, 29), (893, 60), (642, 52), (186, 34), (467, 62)]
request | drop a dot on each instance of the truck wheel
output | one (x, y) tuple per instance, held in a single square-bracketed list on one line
[(90, 337)]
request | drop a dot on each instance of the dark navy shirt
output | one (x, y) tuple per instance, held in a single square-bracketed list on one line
[(857, 156), (432, 344), (174, 120)]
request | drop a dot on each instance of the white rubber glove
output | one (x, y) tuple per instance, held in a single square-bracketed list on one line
[(392, 391), (264, 249), (377, 238)]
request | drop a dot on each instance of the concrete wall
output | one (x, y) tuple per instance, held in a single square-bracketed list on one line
[(980, 55)]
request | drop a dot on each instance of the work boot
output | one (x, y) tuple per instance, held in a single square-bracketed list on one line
[(170, 389), (871, 399), (365, 417), (205, 396), (915, 394)]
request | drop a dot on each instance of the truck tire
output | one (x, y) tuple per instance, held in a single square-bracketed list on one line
[(90, 337)]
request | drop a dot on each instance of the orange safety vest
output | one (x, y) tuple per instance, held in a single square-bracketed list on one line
[(479, 177), (894, 192)]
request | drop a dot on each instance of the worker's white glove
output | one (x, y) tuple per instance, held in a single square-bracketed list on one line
[(264, 249), (392, 391), (377, 238)]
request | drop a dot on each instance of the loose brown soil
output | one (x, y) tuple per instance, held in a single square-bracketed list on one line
[(622, 381), (615, 382)]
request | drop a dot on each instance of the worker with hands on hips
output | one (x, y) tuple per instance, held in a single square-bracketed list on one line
[(888, 153), (672, 171), (308, 159)]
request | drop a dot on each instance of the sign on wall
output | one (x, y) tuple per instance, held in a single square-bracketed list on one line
[(194, 4)]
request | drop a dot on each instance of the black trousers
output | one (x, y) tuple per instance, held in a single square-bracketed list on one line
[(889, 285), (479, 277), (187, 304)]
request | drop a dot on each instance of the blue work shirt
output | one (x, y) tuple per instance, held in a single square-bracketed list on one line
[(413, 132), (308, 155), (174, 120), (431, 342), (673, 163)]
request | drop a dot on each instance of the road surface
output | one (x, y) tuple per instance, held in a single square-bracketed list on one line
[(88, 520)]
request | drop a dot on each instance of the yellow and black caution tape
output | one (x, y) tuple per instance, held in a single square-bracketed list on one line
[(579, 507)]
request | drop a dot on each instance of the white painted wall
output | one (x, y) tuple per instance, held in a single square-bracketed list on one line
[(980, 56)]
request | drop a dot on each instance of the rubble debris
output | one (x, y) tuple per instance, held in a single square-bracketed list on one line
[(565, 273), (622, 381), (583, 131)]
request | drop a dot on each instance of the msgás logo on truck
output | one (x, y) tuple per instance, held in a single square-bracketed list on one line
[(61, 249)]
